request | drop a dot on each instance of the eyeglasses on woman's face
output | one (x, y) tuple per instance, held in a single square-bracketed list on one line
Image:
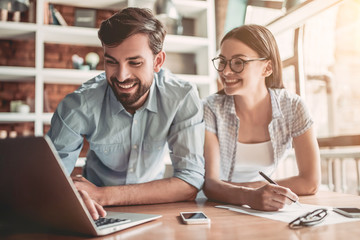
[(236, 64)]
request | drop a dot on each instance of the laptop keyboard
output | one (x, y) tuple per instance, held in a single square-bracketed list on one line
[(106, 221)]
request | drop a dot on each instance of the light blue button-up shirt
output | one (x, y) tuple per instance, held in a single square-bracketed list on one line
[(129, 149)]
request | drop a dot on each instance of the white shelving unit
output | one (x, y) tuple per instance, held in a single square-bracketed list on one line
[(202, 45)]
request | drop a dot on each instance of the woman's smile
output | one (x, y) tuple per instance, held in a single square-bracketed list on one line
[(230, 82)]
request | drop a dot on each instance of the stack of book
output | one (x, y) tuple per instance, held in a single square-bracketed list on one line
[(52, 16)]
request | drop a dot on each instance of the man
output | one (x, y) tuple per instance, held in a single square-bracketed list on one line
[(129, 115)]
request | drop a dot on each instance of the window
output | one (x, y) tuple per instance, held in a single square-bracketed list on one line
[(329, 61)]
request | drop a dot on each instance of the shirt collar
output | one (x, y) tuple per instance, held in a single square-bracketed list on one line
[(229, 101), (275, 104), (115, 105), (151, 101)]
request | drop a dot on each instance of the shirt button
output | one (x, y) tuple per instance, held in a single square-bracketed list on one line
[(135, 121), (131, 170), (135, 146)]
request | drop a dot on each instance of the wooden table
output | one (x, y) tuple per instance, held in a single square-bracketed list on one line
[(225, 224)]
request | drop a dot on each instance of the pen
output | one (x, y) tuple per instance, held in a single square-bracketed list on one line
[(273, 182)]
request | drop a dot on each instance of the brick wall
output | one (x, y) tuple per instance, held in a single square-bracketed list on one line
[(21, 53), (54, 93), (59, 55), (16, 129), (9, 91)]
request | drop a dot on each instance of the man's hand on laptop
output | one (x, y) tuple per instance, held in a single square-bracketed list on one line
[(95, 209), (84, 186)]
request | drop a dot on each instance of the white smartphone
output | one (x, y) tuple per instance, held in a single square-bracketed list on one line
[(194, 218), (348, 212)]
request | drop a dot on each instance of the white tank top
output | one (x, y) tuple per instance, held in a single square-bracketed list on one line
[(252, 158)]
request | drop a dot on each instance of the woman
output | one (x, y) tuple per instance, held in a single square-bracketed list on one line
[(252, 122)]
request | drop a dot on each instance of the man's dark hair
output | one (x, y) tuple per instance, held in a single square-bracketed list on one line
[(129, 21)]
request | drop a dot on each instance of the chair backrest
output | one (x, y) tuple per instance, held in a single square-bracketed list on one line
[(339, 141), (342, 174)]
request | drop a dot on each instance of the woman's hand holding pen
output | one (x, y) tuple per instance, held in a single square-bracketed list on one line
[(270, 197)]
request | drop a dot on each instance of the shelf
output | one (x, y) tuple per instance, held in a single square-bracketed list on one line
[(17, 30), (191, 9), (68, 76), (17, 74), (186, 8), (80, 36), (77, 77), (17, 117), (185, 44), (198, 48), (46, 118), (197, 79), (71, 35), (10, 117), (103, 4)]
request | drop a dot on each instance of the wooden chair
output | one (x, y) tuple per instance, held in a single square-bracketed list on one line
[(334, 151)]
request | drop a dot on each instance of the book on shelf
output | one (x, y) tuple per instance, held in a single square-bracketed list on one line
[(85, 18), (52, 16), (31, 11), (46, 13), (59, 17), (53, 20)]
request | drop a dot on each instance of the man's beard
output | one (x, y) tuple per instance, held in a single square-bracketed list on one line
[(129, 99)]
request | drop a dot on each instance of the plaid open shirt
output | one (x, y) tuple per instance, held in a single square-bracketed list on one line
[(290, 118)]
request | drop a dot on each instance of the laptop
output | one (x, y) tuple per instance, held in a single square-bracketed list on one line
[(34, 188)]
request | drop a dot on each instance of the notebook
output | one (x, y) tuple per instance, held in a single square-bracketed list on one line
[(34, 187)]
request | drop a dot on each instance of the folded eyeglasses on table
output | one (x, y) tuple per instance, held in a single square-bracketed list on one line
[(309, 219)]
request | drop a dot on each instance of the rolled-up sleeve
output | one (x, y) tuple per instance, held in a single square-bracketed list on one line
[(302, 120), (209, 118), (66, 140), (186, 141)]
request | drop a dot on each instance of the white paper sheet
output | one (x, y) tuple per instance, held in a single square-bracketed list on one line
[(291, 212)]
